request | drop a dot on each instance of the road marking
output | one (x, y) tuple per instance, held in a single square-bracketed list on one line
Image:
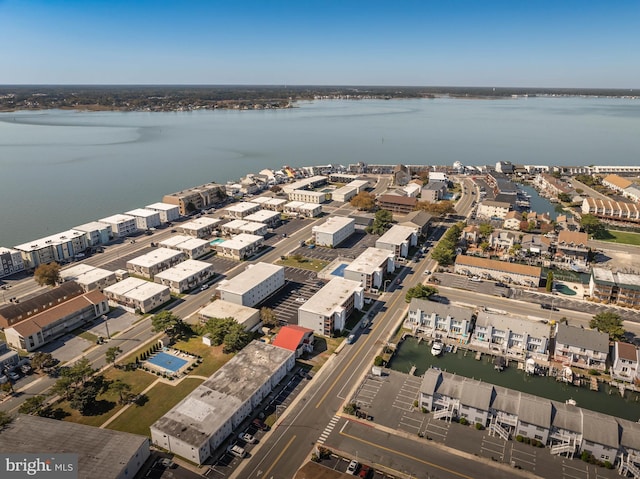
[(400, 453), (329, 429), (268, 471)]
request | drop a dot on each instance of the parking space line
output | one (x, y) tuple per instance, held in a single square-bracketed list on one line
[(564, 474), (523, 452), (564, 464), (501, 454)]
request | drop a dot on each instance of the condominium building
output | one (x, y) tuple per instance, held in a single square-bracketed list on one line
[(192, 247), (145, 218), (327, 311), (370, 268), (333, 231), (10, 262), (616, 183), (305, 196), (397, 204), (438, 320), (88, 277), (121, 225), (305, 184), (199, 227), (252, 286), (234, 227), (197, 198), (240, 210), (167, 212), (398, 240), (97, 233), (240, 247), (269, 218), (61, 247), (306, 210), (493, 209), (611, 210), (582, 348), (185, 276), (622, 289), (155, 261), (137, 295), (270, 204)]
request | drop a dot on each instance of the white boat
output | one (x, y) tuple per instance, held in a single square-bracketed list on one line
[(530, 366), (436, 349)]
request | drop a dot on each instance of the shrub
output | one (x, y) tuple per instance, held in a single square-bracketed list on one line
[(415, 403), (519, 438), (534, 442), (350, 408), (527, 440), (315, 457), (608, 464), (378, 361), (594, 372), (424, 410), (463, 421), (585, 456), (479, 426)]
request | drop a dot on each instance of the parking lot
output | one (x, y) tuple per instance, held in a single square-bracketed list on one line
[(350, 248), (300, 285)]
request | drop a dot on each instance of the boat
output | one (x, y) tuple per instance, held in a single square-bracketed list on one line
[(567, 375), (499, 363), (530, 366), (571, 401), (436, 349)]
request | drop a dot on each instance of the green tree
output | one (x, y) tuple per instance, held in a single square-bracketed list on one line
[(268, 317), (484, 246), (564, 197), (485, 229), (5, 419), (112, 353), (420, 291), (381, 222), (235, 339), (6, 387), (42, 360), (81, 371), (171, 324), (276, 189), (592, 225), (217, 328), (443, 255), (610, 323), (47, 274), (32, 405), (364, 201), (64, 387), (549, 286), (122, 389), (84, 398)]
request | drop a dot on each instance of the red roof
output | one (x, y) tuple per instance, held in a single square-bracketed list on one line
[(290, 337)]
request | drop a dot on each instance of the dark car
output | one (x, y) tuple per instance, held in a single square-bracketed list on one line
[(546, 306), (501, 285), (260, 424), (365, 472)]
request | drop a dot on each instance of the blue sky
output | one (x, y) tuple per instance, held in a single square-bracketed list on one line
[(449, 43)]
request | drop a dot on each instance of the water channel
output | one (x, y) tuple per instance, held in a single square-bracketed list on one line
[(607, 400), (540, 204)]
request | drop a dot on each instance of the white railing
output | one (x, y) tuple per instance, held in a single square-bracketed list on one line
[(569, 447), (439, 414)]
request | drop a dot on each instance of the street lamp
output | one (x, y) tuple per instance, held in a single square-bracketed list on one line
[(106, 325)]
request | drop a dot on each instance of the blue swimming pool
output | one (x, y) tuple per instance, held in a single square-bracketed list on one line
[(216, 241), (167, 361), (339, 271)]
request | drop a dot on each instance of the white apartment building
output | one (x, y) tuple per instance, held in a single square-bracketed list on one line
[(305, 210), (305, 184), (155, 261), (88, 277), (398, 240), (97, 233), (145, 219), (509, 336), (167, 212), (185, 276), (61, 247), (440, 176), (10, 261), (192, 247), (248, 317), (242, 209), (305, 196), (121, 225), (252, 286), (333, 231), (438, 320), (344, 194), (370, 267), (271, 204), (493, 209), (269, 218), (327, 311), (240, 247), (135, 294), (234, 227), (199, 227), (202, 421)]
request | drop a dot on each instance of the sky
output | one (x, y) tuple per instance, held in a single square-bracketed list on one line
[(521, 43)]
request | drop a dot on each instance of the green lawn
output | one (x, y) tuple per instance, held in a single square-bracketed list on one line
[(161, 398), (622, 237), (305, 263), (212, 356)]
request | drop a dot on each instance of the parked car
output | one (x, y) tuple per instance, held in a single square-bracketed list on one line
[(204, 287), (476, 279), (260, 425), (13, 376), (352, 468), (501, 285), (365, 472), (546, 306), (237, 451), (246, 437), (351, 338)]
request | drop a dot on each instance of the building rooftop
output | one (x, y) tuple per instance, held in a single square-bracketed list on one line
[(136, 289), (618, 181), (202, 222), (162, 206), (501, 322), (441, 310), (250, 277), (627, 280), (92, 226), (334, 224), (117, 219), (600, 428), (225, 309), (155, 257), (627, 351), (588, 339), (397, 235), (184, 242), (601, 275), (294, 204), (241, 241), (244, 225), (262, 216), (370, 260), (572, 237), (496, 204), (476, 394), (184, 270), (534, 410), (51, 240), (398, 200), (242, 207), (142, 213), (331, 297), (290, 336), (514, 268), (85, 274), (212, 404)]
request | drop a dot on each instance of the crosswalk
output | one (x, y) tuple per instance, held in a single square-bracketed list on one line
[(328, 430)]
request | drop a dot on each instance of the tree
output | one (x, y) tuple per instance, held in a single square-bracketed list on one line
[(440, 208), (42, 360), (564, 197), (592, 225), (610, 323), (217, 328), (276, 189), (47, 274), (171, 324), (485, 229), (5, 419), (81, 371), (122, 389), (32, 405), (420, 291), (112, 354), (381, 222), (364, 201), (235, 339), (84, 397), (268, 317), (484, 246), (6, 387), (64, 387), (549, 286)]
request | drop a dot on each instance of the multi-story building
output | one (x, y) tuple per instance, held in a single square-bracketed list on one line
[(185, 276), (252, 286), (625, 362), (61, 247), (10, 262), (572, 246), (512, 220), (490, 209), (439, 320), (269, 218), (240, 210), (248, 318), (305, 184), (240, 247), (97, 233), (192, 247), (270, 204), (197, 198), (306, 196), (616, 183), (9, 358), (611, 210), (150, 264), (327, 311), (582, 348), (199, 227), (433, 191), (167, 212), (89, 277), (121, 225), (202, 421), (419, 220), (397, 204), (622, 289), (137, 295), (305, 210), (234, 227), (370, 268), (44, 327), (498, 270), (145, 219), (333, 231), (398, 240)]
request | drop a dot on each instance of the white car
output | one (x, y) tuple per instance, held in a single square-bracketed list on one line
[(204, 287), (476, 279), (352, 468), (246, 437), (300, 300)]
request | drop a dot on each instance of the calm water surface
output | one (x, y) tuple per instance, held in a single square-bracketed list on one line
[(59, 169), (608, 401)]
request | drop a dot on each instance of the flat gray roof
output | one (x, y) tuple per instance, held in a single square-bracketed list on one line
[(143, 213), (154, 257), (331, 297), (501, 322), (51, 240), (334, 224), (397, 235), (370, 260), (250, 277), (163, 206), (85, 274), (442, 310), (136, 288), (184, 270), (225, 309)]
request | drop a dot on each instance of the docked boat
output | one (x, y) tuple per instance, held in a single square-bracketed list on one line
[(499, 363), (437, 348), (530, 366)]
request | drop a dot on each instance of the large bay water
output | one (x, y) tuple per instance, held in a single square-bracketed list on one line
[(59, 169)]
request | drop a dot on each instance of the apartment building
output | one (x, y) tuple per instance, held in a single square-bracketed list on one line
[(498, 270), (396, 204), (616, 183), (611, 210), (255, 284), (234, 227), (438, 320), (137, 295), (305, 184), (582, 348), (200, 227), (240, 210), (88, 277), (398, 239), (248, 318), (433, 191), (96, 233), (121, 225), (333, 231), (270, 204), (572, 246), (185, 276), (145, 218), (150, 264), (490, 209), (306, 196), (61, 248), (268, 217), (240, 247), (193, 248), (370, 268), (167, 212), (305, 210), (10, 262), (197, 198), (622, 289)]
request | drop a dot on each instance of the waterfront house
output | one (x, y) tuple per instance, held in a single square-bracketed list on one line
[(534, 418), (600, 436), (565, 436), (498, 270), (625, 362), (582, 348), (611, 210), (438, 320)]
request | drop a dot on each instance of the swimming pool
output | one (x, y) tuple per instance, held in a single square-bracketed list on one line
[(339, 271), (167, 361), (216, 241)]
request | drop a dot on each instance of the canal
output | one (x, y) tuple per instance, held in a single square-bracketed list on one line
[(542, 205), (608, 401)]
